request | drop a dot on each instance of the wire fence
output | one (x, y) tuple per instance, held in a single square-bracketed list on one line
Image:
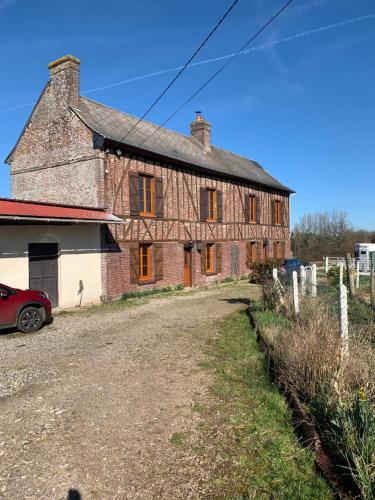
[(353, 311)]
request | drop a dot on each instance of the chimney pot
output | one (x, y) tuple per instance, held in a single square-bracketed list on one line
[(201, 130)]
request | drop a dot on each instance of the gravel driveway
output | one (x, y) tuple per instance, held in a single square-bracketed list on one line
[(92, 401)]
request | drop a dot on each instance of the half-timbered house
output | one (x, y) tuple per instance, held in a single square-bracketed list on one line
[(192, 213)]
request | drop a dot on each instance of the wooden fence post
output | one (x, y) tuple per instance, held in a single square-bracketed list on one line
[(278, 286), (295, 293), (357, 274), (344, 334), (348, 259), (327, 266), (303, 280), (313, 281), (372, 280)]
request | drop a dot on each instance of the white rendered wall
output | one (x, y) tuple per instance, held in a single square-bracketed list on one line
[(79, 259)]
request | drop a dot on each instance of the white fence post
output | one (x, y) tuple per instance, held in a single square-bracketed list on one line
[(295, 292), (302, 274), (341, 267), (327, 266), (344, 334), (278, 286), (313, 281)]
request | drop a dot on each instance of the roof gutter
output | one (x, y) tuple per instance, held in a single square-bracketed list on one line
[(196, 167), (115, 220)]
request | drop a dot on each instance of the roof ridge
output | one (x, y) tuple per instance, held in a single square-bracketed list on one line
[(135, 117)]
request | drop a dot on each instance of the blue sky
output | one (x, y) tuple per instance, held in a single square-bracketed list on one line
[(302, 106)]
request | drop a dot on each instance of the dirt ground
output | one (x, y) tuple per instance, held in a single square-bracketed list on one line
[(97, 401)]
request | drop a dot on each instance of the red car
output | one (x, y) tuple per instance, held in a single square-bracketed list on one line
[(28, 310)]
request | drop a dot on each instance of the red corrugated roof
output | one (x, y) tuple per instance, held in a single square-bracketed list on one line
[(28, 209)]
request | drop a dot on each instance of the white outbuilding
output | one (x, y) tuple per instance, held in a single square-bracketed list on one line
[(53, 248)]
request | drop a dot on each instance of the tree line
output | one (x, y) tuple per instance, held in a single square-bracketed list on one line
[(327, 234)]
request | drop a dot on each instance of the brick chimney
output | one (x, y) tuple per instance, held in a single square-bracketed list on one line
[(201, 130), (64, 73)]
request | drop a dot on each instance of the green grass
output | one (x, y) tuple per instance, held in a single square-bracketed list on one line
[(262, 456), (132, 299), (179, 438)]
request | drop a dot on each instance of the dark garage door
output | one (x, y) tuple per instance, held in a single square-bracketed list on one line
[(43, 269)]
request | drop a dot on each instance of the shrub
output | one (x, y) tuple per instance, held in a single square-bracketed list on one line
[(261, 272), (228, 279), (333, 275)]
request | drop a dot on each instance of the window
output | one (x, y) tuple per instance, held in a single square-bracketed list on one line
[(210, 258), (211, 205), (277, 212), (144, 262), (252, 208), (146, 195)]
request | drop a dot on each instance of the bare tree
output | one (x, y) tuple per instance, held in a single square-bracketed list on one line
[(319, 234)]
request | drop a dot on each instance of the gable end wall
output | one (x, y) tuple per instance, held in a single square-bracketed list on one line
[(54, 160)]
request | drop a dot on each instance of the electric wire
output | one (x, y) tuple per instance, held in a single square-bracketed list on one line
[(214, 75), (214, 29)]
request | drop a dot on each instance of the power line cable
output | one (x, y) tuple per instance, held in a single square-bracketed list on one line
[(181, 70), (220, 69)]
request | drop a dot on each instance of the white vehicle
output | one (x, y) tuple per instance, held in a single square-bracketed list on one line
[(362, 254)]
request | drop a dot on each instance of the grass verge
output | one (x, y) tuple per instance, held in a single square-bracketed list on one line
[(248, 425)]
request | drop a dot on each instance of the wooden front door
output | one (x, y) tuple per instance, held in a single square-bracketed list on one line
[(43, 269), (187, 267)]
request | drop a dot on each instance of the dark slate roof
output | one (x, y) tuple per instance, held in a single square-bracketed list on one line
[(113, 125)]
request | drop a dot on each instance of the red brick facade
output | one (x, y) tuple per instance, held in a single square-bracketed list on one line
[(181, 223), (59, 158)]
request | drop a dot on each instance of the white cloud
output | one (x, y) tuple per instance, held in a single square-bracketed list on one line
[(5, 4)]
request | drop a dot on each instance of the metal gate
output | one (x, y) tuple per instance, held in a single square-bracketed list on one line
[(43, 269), (235, 259)]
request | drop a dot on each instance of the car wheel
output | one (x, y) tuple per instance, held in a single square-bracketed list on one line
[(30, 319)]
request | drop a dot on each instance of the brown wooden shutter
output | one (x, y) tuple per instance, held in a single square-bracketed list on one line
[(204, 204), (283, 249), (158, 249), (275, 249), (259, 251), (219, 206), (203, 259), (159, 201), (247, 208), (218, 258), (134, 263), (282, 213), (133, 193), (257, 209), (273, 212), (248, 252)]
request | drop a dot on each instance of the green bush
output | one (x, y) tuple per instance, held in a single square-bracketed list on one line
[(333, 276), (228, 279), (262, 271)]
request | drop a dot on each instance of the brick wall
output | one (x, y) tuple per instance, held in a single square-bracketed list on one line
[(54, 160), (117, 268)]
